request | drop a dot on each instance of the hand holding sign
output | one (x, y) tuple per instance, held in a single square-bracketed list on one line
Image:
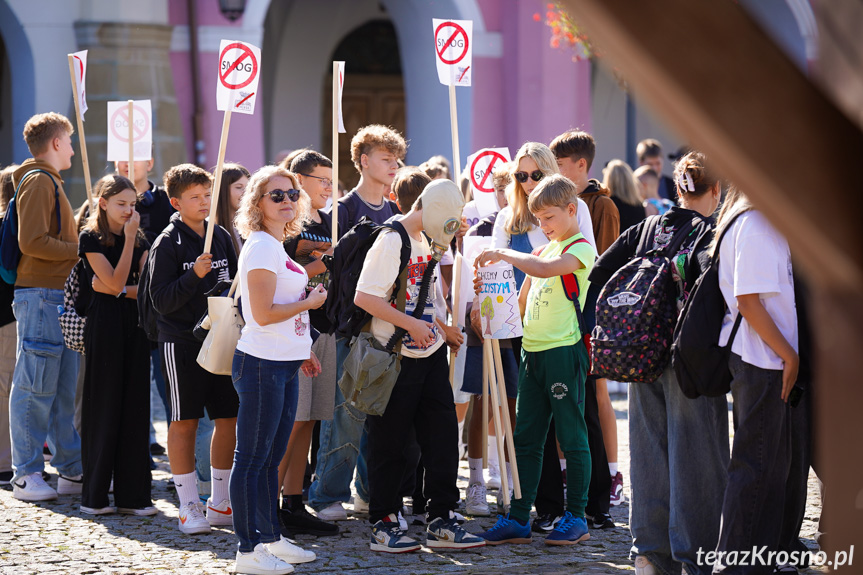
[(482, 164), (453, 49), (118, 131), (239, 67)]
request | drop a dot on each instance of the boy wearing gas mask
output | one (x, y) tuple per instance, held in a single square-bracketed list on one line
[(422, 396)]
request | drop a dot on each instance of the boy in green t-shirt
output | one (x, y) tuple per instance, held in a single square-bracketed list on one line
[(554, 363)]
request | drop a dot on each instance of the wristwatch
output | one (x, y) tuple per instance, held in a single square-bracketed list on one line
[(122, 293)]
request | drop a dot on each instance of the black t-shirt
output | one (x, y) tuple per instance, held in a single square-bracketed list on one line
[(629, 215), (314, 237), (352, 208), (156, 211), (88, 242)]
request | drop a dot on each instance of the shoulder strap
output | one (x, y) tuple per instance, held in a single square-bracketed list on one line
[(400, 304), (571, 289), (681, 236), (715, 262), (648, 232)]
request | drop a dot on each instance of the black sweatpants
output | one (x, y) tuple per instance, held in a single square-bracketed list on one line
[(421, 399), (549, 496), (115, 421)]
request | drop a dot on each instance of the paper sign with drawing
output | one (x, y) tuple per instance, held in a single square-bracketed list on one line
[(498, 302)]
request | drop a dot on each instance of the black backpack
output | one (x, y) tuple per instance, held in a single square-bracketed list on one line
[(346, 319), (637, 310), (146, 311), (700, 364)]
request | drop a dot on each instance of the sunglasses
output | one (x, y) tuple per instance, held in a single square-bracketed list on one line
[(522, 177), (278, 196)]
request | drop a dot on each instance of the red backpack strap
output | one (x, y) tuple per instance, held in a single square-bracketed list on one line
[(569, 281)]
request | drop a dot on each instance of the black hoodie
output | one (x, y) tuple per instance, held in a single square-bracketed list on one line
[(178, 294)]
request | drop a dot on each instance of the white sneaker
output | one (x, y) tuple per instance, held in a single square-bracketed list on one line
[(334, 512), (360, 506), (70, 485), (33, 488), (643, 566), (98, 510), (477, 504), (285, 550), (261, 562), (192, 520), (492, 475), (220, 514), (139, 511)]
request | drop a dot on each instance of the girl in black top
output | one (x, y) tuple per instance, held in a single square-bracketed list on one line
[(116, 404)]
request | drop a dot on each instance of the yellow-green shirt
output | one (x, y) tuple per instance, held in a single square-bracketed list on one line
[(550, 320)]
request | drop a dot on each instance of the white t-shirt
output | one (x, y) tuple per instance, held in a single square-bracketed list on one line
[(754, 259), (470, 213), (288, 340), (500, 237), (380, 271)]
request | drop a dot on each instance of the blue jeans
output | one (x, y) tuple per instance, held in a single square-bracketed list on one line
[(268, 404), (755, 497), (678, 472), (203, 439), (343, 447), (42, 400)]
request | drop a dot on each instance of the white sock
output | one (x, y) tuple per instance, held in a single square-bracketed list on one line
[(187, 488), (612, 468), (509, 474), (475, 465), (492, 449), (562, 464), (220, 486)]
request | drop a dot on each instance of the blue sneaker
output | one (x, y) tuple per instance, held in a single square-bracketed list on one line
[(448, 534), (569, 531), (507, 530), (388, 537)]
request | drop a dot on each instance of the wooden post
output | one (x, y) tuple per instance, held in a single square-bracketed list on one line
[(507, 424), (130, 115), (456, 320), (81, 139), (488, 366), (456, 164), (335, 154), (484, 413), (226, 124)]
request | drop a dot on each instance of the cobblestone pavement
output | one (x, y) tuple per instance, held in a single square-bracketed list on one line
[(56, 538)]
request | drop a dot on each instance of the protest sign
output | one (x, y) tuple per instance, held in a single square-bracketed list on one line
[(121, 125), (480, 166), (453, 51), (78, 73), (239, 73), (498, 302)]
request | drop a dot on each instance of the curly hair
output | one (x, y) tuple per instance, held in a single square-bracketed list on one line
[(376, 136), (41, 129), (250, 216)]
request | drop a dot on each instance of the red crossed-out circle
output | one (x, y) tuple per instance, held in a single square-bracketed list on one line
[(246, 53), (495, 158), (458, 30), (122, 115)]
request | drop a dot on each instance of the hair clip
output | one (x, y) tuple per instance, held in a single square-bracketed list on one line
[(685, 183)]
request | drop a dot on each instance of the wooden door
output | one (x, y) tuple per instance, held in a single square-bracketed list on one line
[(366, 99)]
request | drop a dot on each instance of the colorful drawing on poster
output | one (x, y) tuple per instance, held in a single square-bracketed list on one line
[(498, 302)]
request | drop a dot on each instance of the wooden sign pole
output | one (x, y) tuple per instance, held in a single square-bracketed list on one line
[(495, 405), (456, 320), (84, 159), (226, 124), (485, 392), (507, 424), (456, 163), (130, 113), (335, 153)]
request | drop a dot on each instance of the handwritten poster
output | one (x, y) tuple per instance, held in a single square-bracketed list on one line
[(498, 302)]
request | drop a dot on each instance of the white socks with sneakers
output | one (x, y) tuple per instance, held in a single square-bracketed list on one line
[(220, 482), (475, 465), (612, 469), (187, 488)]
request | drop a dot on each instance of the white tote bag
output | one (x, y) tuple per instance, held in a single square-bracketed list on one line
[(217, 351)]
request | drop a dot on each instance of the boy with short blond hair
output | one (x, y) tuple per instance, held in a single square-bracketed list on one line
[(181, 275), (42, 399), (554, 362)]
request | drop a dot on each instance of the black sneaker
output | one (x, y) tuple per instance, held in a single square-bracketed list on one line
[(545, 522), (600, 521), (300, 520), (157, 449), (6, 477)]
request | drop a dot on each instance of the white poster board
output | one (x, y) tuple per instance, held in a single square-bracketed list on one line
[(79, 60), (453, 51), (498, 302), (118, 131), (480, 167), (239, 73)]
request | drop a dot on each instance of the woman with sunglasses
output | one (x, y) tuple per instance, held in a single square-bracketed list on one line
[(274, 345)]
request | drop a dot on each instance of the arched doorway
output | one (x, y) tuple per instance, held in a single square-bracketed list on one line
[(18, 102), (375, 93), (6, 153)]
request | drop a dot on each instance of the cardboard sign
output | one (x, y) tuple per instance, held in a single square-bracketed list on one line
[(80, 64), (239, 73), (341, 89), (453, 51), (118, 131), (498, 302), (481, 166)]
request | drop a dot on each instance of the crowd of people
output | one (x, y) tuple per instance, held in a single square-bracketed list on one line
[(239, 446)]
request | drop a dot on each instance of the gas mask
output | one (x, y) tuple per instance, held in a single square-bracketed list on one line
[(442, 203)]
